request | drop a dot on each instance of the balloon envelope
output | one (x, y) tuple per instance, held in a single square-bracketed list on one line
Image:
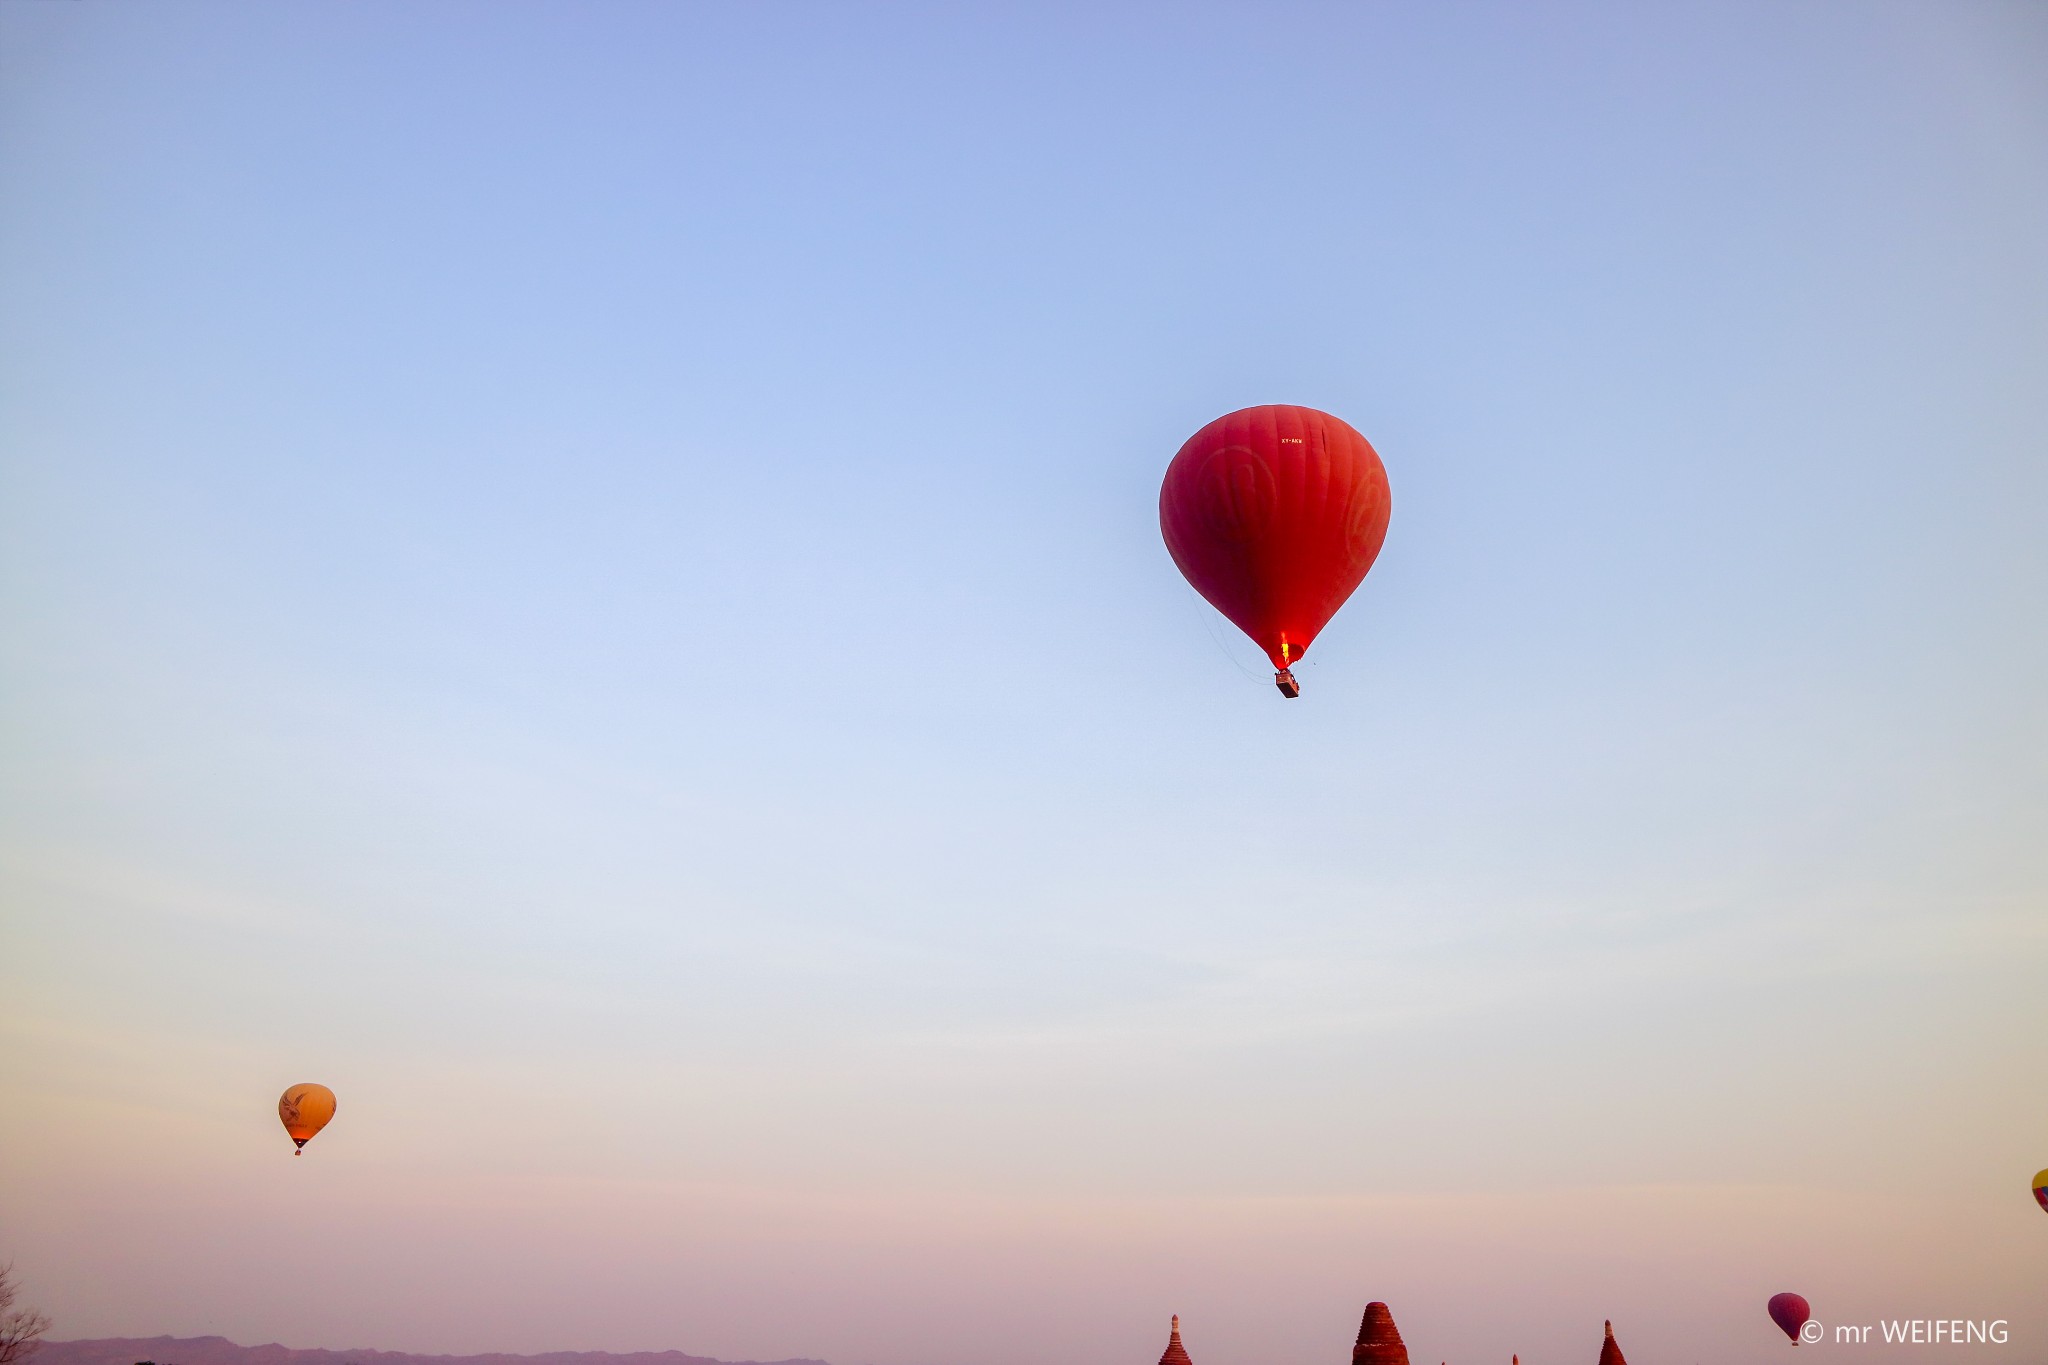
[(1790, 1312), (2041, 1188), (304, 1110), (1275, 514)]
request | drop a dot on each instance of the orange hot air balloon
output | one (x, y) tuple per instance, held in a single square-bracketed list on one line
[(304, 1110)]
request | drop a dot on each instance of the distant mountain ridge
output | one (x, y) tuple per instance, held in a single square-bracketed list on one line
[(221, 1351)]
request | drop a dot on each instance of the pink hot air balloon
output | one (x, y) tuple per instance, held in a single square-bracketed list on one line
[(1790, 1312)]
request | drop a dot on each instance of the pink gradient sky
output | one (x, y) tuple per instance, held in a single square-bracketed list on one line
[(588, 578)]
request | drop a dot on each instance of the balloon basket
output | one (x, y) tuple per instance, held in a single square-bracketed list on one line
[(1284, 680)]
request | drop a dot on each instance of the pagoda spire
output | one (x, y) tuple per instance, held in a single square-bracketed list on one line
[(1176, 1354), (1610, 1353), (1379, 1341)]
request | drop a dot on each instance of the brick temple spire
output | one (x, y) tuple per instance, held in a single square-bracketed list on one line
[(1379, 1341), (1176, 1354), (1610, 1354)]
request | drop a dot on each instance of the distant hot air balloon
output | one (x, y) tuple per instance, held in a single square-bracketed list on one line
[(2041, 1188), (304, 1110), (1790, 1312), (1275, 514)]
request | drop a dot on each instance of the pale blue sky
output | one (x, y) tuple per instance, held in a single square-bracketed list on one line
[(603, 560)]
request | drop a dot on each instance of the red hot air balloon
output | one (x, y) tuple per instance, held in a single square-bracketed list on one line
[(1275, 514), (1790, 1312)]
